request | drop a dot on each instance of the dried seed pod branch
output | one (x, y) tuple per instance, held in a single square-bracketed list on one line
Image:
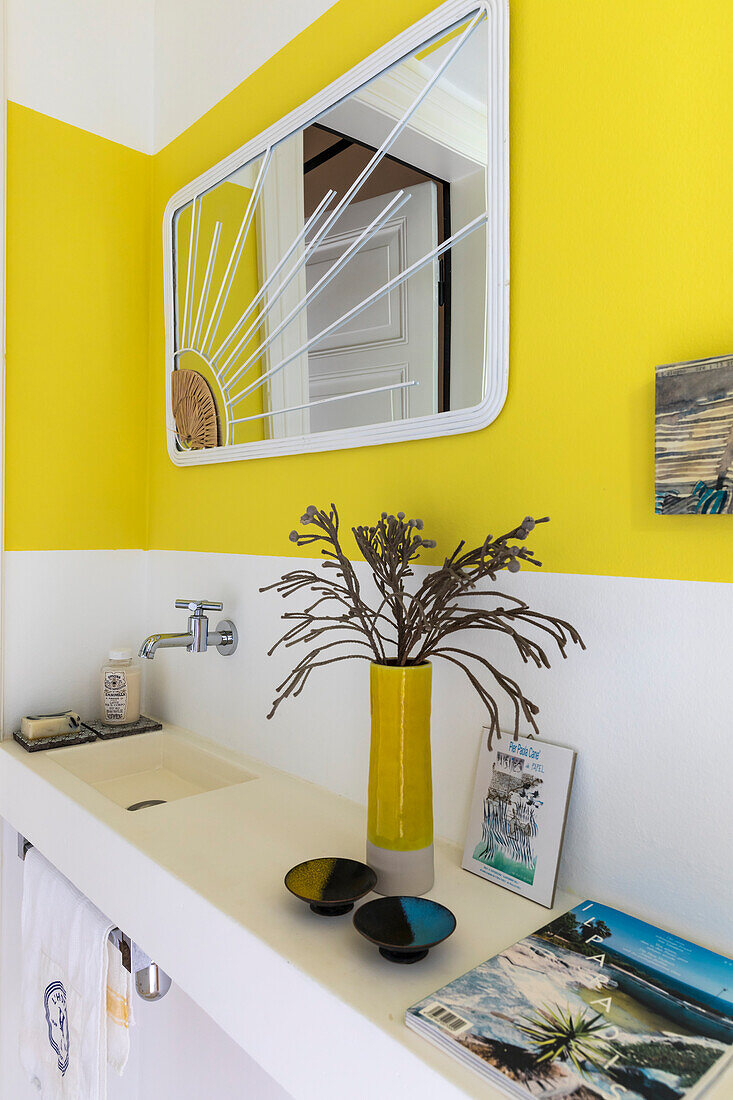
[(407, 627)]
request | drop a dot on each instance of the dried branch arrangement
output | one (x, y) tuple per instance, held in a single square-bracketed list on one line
[(407, 627)]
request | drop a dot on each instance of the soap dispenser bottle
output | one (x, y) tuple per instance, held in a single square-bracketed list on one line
[(120, 689)]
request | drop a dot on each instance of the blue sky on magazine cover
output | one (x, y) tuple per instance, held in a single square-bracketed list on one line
[(681, 959)]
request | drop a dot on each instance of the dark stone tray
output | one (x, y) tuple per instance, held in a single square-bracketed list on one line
[(107, 733), (61, 741)]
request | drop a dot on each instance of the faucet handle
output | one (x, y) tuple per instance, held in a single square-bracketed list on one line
[(197, 607)]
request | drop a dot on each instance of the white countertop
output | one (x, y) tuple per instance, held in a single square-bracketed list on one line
[(198, 884)]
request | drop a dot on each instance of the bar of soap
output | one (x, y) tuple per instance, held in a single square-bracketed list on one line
[(36, 726)]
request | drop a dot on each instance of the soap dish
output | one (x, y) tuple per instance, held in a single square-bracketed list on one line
[(107, 733), (60, 741)]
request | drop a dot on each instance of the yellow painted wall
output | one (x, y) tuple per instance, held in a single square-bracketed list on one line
[(78, 287), (621, 258)]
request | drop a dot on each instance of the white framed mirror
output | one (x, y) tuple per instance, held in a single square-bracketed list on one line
[(343, 278)]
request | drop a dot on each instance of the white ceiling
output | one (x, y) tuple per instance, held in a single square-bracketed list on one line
[(205, 48), (141, 71), (86, 62)]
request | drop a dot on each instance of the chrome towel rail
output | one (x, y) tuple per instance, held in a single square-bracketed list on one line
[(151, 982)]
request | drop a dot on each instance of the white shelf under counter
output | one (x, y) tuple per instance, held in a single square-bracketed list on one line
[(198, 884)]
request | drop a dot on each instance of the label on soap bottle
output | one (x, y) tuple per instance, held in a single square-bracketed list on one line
[(115, 695)]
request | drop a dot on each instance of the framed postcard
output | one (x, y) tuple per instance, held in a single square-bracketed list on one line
[(518, 814)]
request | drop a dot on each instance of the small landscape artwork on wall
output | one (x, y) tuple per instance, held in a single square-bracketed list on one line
[(694, 437)]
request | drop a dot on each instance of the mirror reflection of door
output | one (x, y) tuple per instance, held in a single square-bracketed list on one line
[(401, 338), (397, 348), (396, 338)]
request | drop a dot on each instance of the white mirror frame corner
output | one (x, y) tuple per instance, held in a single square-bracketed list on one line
[(496, 364)]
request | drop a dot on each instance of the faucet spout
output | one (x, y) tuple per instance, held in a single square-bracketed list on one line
[(198, 638), (164, 641)]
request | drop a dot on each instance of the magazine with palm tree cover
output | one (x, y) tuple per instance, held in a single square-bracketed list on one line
[(596, 1005)]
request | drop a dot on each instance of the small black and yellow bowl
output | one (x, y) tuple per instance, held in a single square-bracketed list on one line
[(404, 928), (330, 885)]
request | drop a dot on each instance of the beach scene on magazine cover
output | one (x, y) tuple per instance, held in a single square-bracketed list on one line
[(595, 1005)]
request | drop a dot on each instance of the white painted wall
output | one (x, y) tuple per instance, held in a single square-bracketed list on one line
[(647, 705), (64, 609)]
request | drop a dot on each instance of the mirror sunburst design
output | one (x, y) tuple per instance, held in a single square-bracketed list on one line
[(231, 352)]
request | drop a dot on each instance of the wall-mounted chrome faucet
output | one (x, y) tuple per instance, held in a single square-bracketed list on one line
[(198, 637)]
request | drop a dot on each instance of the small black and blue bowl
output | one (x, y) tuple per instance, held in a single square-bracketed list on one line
[(404, 928), (330, 885)]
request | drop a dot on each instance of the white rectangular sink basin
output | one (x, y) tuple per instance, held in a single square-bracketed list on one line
[(149, 766)]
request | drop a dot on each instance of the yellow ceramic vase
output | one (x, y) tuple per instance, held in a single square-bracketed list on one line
[(400, 813)]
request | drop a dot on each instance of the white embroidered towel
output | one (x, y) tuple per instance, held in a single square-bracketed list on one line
[(64, 1036)]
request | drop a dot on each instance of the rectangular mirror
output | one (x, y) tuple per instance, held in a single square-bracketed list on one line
[(343, 278)]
